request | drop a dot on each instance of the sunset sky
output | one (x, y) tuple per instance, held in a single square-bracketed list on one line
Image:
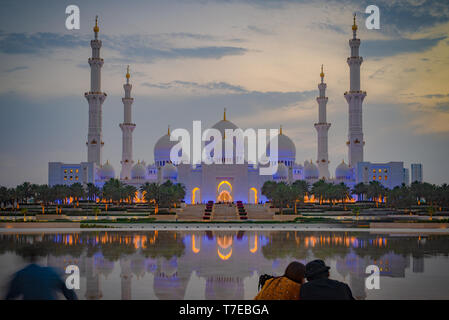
[(191, 58)]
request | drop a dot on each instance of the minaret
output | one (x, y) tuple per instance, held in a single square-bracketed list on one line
[(95, 97), (127, 131), (322, 127), (355, 97)]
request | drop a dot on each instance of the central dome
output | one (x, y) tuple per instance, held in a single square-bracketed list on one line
[(222, 125)]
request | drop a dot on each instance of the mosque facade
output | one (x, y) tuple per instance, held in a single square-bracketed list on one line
[(218, 181)]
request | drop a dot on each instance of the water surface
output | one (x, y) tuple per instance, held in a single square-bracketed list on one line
[(227, 264)]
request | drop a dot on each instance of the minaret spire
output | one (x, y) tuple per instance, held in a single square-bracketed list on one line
[(355, 97), (95, 97), (322, 128), (354, 28), (224, 114), (127, 130)]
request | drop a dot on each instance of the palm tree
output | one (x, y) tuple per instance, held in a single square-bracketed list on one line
[(268, 189), (152, 191), (24, 191), (77, 192), (342, 192), (321, 190), (92, 192), (43, 195), (400, 197), (180, 192), (281, 195), (360, 190), (4, 196), (299, 190), (113, 190), (129, 192), (376, 191)]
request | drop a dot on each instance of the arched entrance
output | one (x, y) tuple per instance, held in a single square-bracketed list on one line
[(196, 195), (252, 195), (224, 191)]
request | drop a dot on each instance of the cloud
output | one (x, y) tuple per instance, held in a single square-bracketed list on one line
[(442, 107), (220, 87), (387, 48), (259, 30), (149, 54), (436, 95), (144, 48), (327, 26), (19, 68), (22, 43), (210, 86)]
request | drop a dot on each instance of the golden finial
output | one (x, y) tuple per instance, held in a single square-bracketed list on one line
[(96, 28), (127, 73), (168, 131), (322, 72), (224, 114), (280, 129), (354, 26)]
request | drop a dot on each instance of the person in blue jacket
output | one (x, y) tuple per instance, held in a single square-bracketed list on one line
[(36, 282)]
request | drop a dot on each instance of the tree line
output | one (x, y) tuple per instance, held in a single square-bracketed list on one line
[(282, 194), (113, 191)]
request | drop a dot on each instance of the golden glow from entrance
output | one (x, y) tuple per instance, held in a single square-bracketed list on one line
[(255, 194), (221, 183), (193, 194), (224, 196)]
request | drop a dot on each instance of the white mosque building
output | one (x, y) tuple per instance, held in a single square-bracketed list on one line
[(225, 182)]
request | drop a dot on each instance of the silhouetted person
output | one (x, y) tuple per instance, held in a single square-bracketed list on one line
[(320, 287), (35, 282), (286, 287)]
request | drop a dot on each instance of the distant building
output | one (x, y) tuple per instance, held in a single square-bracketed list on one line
[(67, 174), (416, 172), (406, 176), (390, 174)]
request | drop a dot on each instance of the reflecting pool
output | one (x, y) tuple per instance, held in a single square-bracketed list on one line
[(227, 264)]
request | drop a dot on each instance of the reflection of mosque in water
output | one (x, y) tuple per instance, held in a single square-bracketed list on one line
[(223, 259)]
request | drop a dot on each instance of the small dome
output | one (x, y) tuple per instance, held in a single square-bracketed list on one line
[(311, 171), (138, 171), (343, 171), (107, 171), (286, 149), (169, 171), (281, 173)]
